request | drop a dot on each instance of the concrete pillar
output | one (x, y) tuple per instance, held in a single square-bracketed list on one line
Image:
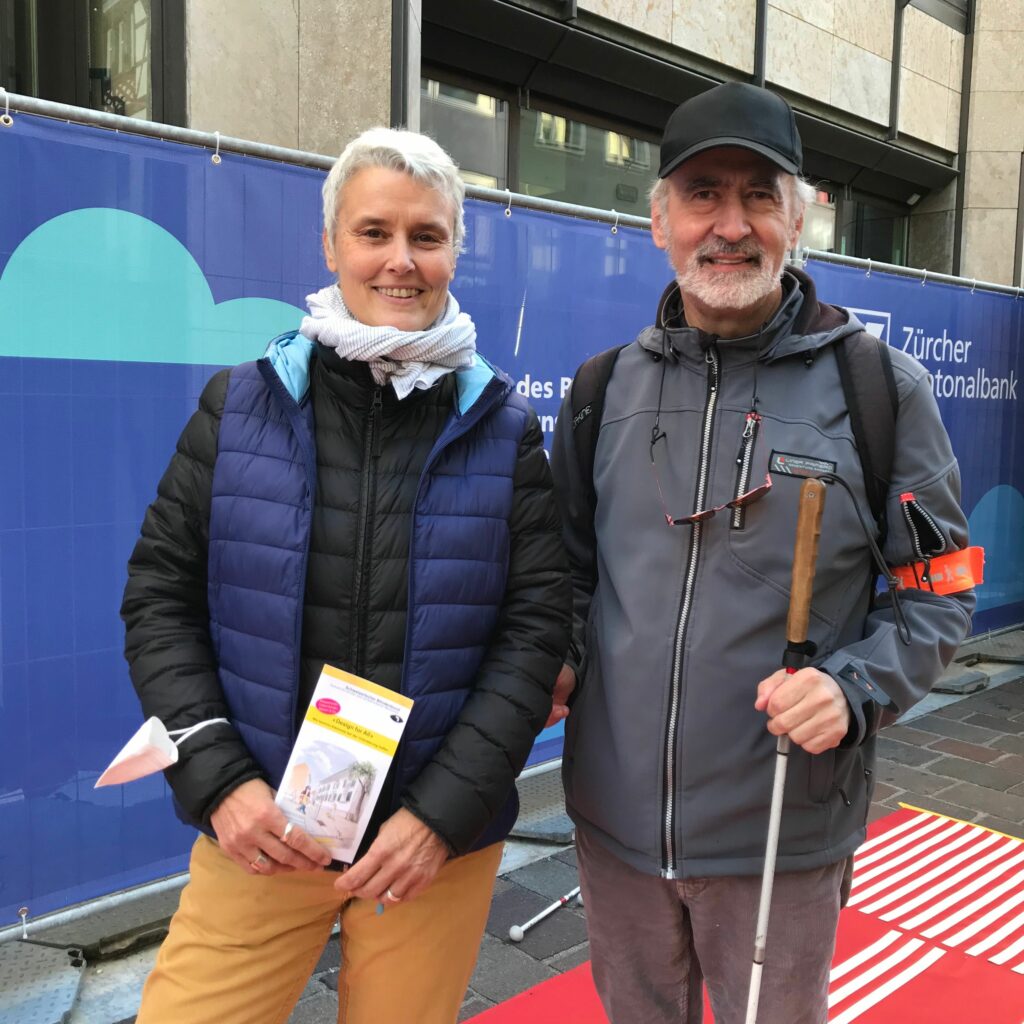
[(995, 140)]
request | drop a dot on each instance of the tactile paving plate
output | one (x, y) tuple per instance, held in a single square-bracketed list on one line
[(542, 809), (38, 984)]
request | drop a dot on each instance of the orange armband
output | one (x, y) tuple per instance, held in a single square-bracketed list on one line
[(946, 574)]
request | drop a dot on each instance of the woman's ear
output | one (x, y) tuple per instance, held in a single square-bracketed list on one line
[(332, 263)]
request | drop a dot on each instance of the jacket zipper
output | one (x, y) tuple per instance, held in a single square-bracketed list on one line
[(744, 459), (685, 603), (911, 507), (364, 533)]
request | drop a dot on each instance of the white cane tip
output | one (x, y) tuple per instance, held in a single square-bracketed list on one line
[(515, 933)]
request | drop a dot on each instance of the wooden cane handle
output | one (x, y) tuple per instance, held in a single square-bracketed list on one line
[(805, 553)]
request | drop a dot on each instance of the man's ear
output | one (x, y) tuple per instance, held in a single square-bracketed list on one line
[(329, 254), (797, 231), (658, 232)]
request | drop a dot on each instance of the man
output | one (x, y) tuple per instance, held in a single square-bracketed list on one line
[(677, 696)]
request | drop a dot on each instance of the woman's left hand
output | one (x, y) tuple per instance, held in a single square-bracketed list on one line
[(400, 863)]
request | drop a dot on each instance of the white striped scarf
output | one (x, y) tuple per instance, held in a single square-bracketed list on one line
[(408, 359)]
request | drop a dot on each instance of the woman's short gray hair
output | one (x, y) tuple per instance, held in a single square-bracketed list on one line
[(417, 155)]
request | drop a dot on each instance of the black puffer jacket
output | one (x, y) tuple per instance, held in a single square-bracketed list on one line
[(356, 596)]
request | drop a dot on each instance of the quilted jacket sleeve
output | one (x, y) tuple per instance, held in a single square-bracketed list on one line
[(465, 784), (166, 617)]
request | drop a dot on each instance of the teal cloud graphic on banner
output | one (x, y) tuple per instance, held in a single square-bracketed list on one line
[(997, 524), (106, 284)]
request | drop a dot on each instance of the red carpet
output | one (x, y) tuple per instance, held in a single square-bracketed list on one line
[(934, 933)]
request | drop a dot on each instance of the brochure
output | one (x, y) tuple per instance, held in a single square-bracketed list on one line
[(341, 757)]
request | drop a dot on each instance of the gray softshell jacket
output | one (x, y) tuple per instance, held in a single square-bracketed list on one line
[(666, 761)]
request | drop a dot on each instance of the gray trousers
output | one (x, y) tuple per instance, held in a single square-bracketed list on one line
[(653, 942)]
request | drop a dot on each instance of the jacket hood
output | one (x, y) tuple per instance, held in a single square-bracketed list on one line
[(800, 324), (290, 355)]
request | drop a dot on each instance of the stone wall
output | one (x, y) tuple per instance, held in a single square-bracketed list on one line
[(306, 74)]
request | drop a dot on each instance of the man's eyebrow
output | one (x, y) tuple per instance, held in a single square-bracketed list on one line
[(770, 184), (704, 181)]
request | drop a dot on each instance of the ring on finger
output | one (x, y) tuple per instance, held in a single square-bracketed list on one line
[(287, 832), (391, 896), (258, 861)]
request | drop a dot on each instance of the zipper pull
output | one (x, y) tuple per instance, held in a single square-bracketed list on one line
[(376, 427), (753, 418)]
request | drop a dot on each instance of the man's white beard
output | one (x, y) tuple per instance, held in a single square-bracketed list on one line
[(733, 290)]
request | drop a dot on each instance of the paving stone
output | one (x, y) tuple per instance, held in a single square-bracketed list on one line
[(1001, 698), (473, 1005), (878, 810), (972, 751), (980, 774), (939, 806), (570, 959), (1008, 828), (568, 857), (320, 1009), (998, 724), (551, 878), (955, 711), (500, 886), (907, 778), (883, 791), (1011, 763), (986, 801), (907, 734), (1011, 744), (503, 971), (514, 906), (956, 730), (904, 753)]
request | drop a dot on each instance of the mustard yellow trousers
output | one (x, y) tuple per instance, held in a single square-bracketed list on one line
[(241, 947)]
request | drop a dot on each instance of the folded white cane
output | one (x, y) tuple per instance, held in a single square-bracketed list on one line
[(805, 553)]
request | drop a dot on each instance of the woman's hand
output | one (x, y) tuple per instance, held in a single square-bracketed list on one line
[(400, 863), (252, 830)]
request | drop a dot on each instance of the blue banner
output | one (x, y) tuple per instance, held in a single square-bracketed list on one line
[(130, 270), (972, 342)]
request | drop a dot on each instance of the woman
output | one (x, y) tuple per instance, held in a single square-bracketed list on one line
[(372, 495)]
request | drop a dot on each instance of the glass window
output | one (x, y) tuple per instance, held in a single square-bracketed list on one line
[(119, 56), (95, 53), (472, 127), (819, 224), (574, 162), (872, 232)]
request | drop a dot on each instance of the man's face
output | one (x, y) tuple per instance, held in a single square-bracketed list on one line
[(727, 226)]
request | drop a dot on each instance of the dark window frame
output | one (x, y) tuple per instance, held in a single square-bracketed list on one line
[(954, 13), (61, 60)]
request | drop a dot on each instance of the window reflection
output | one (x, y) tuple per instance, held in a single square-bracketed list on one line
[(119, 56)]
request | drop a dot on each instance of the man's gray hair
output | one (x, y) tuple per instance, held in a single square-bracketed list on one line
[(417, 155), (800, 194)]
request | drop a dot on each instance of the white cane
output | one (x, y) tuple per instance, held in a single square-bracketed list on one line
[(805, 553)]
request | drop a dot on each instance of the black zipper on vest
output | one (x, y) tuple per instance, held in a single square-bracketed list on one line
[(364, 532), (743, 460), (668, 869)]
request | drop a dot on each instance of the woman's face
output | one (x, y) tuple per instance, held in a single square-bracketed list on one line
[(392, 249)]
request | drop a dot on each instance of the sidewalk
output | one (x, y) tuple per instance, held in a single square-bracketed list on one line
[(955, 754)]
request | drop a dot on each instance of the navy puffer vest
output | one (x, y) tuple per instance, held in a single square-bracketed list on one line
[(264, 487)]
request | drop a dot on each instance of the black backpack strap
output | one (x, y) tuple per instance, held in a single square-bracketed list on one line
[(869, 387), (587, 396)]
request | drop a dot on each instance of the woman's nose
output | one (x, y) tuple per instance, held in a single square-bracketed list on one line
[(400, 259)]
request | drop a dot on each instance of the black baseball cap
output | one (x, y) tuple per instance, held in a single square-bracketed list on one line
[(735, 114)]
